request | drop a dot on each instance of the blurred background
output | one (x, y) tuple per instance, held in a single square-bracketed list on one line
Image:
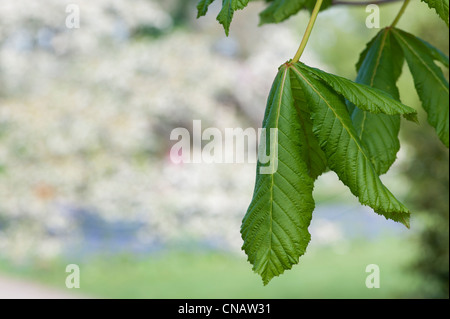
[(86, 177)]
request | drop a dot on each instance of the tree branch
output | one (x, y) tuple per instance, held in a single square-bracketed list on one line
[(362, 3)]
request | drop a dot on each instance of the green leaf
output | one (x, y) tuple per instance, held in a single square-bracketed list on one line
[(380, 67), (366, 98), (363, 54), (325, 4), (441, 7), (437, 54), (381, 54), (346, 155), (226, 14), (275, 227), (202, 7), (240, 4), (310, 150), (429, 80), (280, 10)]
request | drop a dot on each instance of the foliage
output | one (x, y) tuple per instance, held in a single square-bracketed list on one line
[(429, 80), (441, 7), (280, 10), (323, 122)]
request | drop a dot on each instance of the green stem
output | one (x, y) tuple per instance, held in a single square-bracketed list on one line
[(309, 28), (400, 13)]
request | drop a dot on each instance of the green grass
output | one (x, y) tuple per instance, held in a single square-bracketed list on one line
[(322, 273)]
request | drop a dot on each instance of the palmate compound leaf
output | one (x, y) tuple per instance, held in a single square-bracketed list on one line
[(441, 7), (333, 127), (380, 66), (226, 13), (429, 80), (275, 227)]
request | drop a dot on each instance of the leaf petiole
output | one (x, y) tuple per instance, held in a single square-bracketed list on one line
[(400, 13), (309, 28)]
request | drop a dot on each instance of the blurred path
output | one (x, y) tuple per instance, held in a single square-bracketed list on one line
[(12, 288)]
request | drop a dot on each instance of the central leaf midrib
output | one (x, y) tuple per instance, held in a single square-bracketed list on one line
[(380, 53), (280, 99), (372, 79)]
